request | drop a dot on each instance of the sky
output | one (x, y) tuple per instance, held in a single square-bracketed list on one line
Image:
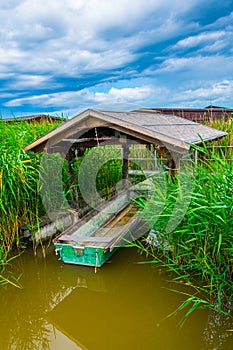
[(64, 56)]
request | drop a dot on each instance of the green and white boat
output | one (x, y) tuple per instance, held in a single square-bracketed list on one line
[(96, 236)]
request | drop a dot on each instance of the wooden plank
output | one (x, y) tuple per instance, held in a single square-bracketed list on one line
[(125, 161), (136, 227), (108, 228), (125, 230), (90, 239), (98, 217), (88, 216), (144, 172), (85, 139), (141, 136)]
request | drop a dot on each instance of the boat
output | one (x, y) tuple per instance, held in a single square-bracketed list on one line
[(96, 236)]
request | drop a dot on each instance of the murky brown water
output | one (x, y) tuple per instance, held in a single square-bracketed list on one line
[(123, 306)]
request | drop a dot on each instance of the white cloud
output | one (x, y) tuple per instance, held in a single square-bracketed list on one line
[(72, 37), (86, 97), (49, 100), (6, 95), (126, 94), (11, 56), (214, 91), (223, 22), (218, 93), (123, 51), (216, 47), (73, 102), (23, 81), (200, 39), (197, 67)]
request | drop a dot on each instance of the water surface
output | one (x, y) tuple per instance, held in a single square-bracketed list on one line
[(123, 306)]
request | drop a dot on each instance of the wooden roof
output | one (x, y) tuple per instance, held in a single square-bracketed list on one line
[(170, 130)]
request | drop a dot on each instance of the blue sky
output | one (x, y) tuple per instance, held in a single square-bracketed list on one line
[(63, 56)]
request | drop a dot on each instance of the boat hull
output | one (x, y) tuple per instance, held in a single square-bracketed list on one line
[(89, 256)]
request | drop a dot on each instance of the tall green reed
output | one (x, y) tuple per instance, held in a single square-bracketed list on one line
[(199, 251), (20, 202)]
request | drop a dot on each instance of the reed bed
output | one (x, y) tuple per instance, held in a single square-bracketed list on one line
[(21, 177), (20, 203), (108, 161), (223, 146), (99, 170), (199, 251), (224, 125)]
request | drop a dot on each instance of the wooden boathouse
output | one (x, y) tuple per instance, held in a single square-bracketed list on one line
[(93, 128), (93, 239)]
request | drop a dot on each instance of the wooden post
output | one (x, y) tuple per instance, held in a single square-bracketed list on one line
[(125, 162), (195, 156), (173, 159), (73, 179)]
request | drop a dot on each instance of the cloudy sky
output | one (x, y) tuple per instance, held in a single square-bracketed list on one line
[(63, 56)]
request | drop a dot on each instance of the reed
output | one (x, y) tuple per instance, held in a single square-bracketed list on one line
[(224, 125), (100, 169), (20, 203), (223, 146), (20, 180), (199, 251)]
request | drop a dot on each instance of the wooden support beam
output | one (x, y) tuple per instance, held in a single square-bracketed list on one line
[(125, 161), (73, 179)]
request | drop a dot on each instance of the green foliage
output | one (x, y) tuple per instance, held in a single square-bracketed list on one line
[(99, 170), (6, 277), (224, 125), (23, 173), (20, 203), (200, 249)]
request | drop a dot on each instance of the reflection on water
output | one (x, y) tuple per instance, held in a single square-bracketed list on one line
[(123, 306)]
